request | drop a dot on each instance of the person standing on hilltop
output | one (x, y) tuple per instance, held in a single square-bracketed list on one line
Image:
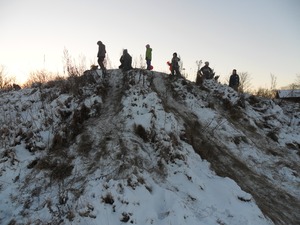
[(126, 61), (101, 56), (206, 72), (175, 65), (234, 80), (148, 56)]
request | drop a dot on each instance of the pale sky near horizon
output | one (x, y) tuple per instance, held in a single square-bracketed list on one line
[(260, 37)]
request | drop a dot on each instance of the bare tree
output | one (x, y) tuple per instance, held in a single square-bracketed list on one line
[(273, 82), (245, 82), (268, 93), (297, 83), (294, 85), (5, 81)]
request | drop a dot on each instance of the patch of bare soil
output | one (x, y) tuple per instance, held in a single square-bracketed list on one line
[(275, 202)]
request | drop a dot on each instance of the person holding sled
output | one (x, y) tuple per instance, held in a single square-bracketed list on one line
[(175, 65), (101, 56), (234, 80), (206, 72), (148, 56), (126, 61)]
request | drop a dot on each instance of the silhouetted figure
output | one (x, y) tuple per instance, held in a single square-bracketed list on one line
[(101, 56), (175, 65), (234, 80), (206, 72), (126, 61), (148, 57)]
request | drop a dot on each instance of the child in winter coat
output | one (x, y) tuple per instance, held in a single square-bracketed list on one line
[(175, 65), (148, 56), (234, 80), (126, 61)]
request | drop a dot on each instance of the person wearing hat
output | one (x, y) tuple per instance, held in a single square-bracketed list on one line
[(206, 72), (234, 80), (101, 56), (148, 56)]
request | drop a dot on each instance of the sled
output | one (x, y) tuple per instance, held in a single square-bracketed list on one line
[(170, 65)]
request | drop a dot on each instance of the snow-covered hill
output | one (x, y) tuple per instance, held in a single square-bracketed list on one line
[(141, 148)]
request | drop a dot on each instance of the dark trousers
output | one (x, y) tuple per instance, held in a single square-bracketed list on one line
[(148, 64), (100, 62), (175, 70)]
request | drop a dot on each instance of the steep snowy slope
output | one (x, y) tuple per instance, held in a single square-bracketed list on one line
[(140, 148)]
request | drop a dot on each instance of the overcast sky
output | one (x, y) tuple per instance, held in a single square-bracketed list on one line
[(261, 37)]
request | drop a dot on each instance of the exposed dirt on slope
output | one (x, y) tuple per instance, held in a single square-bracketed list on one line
[(276, 203)]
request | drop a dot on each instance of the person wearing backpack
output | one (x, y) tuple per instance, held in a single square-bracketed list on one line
[(234, 80), (148, 56), (101, 56)]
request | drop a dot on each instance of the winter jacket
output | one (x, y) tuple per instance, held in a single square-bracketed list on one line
[(126, 61), (207, 72), (174, 62), (101, 51), (234, 80), (148, 53)]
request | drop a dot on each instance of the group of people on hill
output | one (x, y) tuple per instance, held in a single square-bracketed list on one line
[(126, 60), (207, 73)]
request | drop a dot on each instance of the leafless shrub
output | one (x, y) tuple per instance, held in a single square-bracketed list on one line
[(234, 110), (70, 216), (125, 217), (32, 163), (58, 81), (236, 113), (161, 169), (85, 145), (12, 222), (80, 115), (131, 183), (266, 93), (173, 139), (58, 142), (245, 82), (108, 199), (5, 81), (253, 100), (71, 67), (40, 77), (273, 135), (141, 132), (36, 192), (61, 171), (295, 84), (45, 164)]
